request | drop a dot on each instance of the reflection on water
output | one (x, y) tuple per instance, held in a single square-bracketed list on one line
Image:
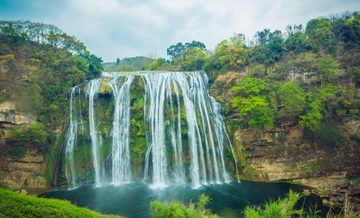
[(133, 200)]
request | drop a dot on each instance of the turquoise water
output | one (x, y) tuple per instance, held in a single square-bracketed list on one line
[(133, 199)]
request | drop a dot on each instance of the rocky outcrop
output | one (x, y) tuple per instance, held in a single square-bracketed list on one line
[(286, 155), (27, 172), (9, 114), (300, 74)]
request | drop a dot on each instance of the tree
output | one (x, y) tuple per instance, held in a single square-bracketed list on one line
[(269, 47), (229, 54), (296, 39), (251, 103), (194, 59), (292, 99), (262, 117), (262, 37), (177, 52), (157, 63), (195, 44), (320, 35), (95, 66), (317, 108), (347, 29)]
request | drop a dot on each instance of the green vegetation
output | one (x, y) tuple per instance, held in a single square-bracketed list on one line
[(178, 209), (179, 52), (308, 75), (45, 63), (132, 64), (20, 138), (39, 65), (18, 205), (252, 104), (281, 208)]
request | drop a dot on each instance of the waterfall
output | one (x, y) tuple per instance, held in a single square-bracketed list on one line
[(185, 137), (95, 136), (71, 137), (121, 171)]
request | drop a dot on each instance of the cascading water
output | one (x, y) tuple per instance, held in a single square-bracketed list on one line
[(95, 136), (121, 171), (185, 135), (71, 137)]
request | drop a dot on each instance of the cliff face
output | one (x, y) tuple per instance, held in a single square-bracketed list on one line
[(326, 162), (287, 155), (28, 171), (10, 115), (36, 75)]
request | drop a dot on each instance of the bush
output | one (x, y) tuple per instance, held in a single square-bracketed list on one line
[(21, 137), (179, 210), (281, 209)]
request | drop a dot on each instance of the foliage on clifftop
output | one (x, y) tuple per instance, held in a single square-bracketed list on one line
[(308, 75), (18, 205), (39, 64)]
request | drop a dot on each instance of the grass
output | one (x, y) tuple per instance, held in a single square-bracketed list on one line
[(17, 205), (177, 209), (281, 209)]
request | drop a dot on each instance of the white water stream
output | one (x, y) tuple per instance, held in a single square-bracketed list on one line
[(186, 137)]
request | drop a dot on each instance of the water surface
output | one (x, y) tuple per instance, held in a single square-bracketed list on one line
[(133, 199)]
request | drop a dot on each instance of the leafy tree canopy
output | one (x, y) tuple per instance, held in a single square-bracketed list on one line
[(177, 52)]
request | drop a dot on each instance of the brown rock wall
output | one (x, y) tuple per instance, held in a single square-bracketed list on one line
[(28, 172), (325, 170)]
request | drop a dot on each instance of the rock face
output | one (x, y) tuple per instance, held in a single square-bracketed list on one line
[(286, 155), (27, 172), (8, 114)]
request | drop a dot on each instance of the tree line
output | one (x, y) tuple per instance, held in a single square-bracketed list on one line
[(308, 75)]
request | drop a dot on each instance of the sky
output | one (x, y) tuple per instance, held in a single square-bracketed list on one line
[(113, 29)]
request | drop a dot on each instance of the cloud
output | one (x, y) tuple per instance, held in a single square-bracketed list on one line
[(126, 28)]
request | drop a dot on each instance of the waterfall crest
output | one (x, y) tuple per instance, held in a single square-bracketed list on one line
[(185, 137)]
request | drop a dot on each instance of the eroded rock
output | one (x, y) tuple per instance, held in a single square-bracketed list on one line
[(28, 172)]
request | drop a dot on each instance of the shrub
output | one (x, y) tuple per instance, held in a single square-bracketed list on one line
[(281, 209), (179, 210), (21, 137)]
